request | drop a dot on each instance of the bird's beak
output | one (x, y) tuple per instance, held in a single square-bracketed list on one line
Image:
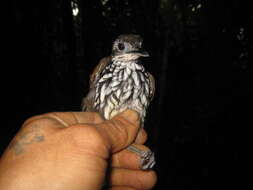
[(144, 53), (141, 53)]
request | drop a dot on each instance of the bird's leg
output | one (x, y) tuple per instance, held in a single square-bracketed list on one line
[(147, 161), (147, 157)]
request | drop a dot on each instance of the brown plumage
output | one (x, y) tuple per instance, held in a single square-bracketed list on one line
[(120, 82)]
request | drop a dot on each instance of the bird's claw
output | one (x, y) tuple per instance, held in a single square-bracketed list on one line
[(147, 160), (147, 157)]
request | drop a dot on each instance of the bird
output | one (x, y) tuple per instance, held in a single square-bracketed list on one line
[(120, 82)]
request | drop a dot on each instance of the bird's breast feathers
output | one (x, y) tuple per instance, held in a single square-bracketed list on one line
[(121, 86)]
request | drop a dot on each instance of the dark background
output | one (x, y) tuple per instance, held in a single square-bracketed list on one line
[(200, 58)]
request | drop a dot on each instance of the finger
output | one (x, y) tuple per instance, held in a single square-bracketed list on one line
[(136, 179), (121, 130), (121, 188), (141, 137), (70, 118), (127, 159), (88, 117)]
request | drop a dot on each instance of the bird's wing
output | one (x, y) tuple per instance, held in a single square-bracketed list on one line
[(88, 101), (152, 85), (98, 69)]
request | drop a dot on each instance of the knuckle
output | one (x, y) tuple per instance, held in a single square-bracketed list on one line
[(36, 118), (31, 120), (42, 120), (119, 132), (49, 114), (87, 138), (91, 135)]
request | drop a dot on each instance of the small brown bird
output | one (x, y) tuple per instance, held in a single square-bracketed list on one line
[(120, 82)]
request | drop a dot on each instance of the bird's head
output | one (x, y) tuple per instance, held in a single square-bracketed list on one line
[(129, 47)]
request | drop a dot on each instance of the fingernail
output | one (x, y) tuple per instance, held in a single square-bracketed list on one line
[(130, 115)]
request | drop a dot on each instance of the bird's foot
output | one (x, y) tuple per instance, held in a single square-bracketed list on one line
[(147, 157)]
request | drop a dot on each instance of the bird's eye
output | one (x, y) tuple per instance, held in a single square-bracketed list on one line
[(121, 46)]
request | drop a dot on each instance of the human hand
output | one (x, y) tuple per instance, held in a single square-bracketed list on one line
[(73, 150)]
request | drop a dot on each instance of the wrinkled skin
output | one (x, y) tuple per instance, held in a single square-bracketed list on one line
[(73, 150)]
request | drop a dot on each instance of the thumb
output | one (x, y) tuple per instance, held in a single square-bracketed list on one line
[(120, 131)]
